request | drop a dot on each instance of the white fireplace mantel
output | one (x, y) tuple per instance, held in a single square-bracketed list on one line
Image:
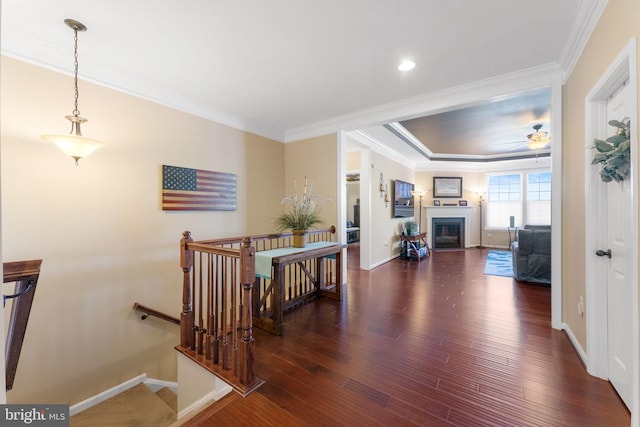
[(450, 212)]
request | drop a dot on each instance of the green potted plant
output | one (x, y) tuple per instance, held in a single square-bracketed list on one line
[(300, 214), (410, 228), (614, 153)]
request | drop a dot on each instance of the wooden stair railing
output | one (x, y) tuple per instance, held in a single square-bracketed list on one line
[(25, 274), (216, 304), (148, 311), (216, 322)]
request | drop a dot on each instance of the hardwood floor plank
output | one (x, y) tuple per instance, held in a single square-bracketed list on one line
[(435, 343)]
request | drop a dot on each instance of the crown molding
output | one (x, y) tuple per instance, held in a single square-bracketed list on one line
[(364, 140), (49, 56), (581, 28), (486, 167)]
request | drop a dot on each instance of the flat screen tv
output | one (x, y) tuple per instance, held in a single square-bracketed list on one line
[(402, 199)]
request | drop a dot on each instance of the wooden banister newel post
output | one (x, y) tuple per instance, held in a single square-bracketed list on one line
[(187, 333), (247, 278)]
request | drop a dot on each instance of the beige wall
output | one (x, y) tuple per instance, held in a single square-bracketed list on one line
[(100, 230), (315, 158), (385, 240), (352, 161), (618, 24)]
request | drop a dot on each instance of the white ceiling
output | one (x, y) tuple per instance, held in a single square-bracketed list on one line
[(285, 68)]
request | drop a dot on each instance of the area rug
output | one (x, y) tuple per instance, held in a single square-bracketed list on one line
[(499, 264)]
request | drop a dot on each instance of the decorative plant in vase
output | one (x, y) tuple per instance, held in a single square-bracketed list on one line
[(410, 228), (301, 214), (614, 154)]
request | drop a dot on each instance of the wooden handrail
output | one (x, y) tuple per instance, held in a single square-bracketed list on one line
[(25, 274), (270, 236), (20, 270), (155, 313)]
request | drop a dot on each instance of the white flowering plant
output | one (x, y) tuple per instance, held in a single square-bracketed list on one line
[(301, 213)]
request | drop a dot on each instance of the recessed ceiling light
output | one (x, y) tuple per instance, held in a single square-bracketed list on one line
[(406, 65)]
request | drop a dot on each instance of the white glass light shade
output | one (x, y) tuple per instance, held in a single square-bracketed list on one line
[(74, 146), (538, 140)]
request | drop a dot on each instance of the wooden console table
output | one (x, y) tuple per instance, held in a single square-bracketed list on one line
[(415, 243), (309, 263)]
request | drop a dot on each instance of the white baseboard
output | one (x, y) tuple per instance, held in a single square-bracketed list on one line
[(156, 385), (197, 387), (498, 247), (101, 397), (195, 407), (576, 345), (384, 261)]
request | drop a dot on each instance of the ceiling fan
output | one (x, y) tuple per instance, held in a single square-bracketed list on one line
[(535, 141)]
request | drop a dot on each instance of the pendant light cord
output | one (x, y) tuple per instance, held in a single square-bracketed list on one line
[(76, 112)]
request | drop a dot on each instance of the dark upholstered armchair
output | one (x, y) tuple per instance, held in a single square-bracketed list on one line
[(532, 254)]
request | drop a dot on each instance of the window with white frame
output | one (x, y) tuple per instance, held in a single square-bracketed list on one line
[(504, 200), (524, 196), (538, 203)]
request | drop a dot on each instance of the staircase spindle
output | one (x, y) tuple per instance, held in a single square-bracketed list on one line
[(187, 338)]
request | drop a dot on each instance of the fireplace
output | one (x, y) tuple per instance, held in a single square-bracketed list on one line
[(448, 233), (448, 212)]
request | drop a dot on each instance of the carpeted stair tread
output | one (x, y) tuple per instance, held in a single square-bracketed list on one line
[(168, 397), (135, 407)]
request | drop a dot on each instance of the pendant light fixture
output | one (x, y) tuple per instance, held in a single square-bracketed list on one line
[(74, 144)]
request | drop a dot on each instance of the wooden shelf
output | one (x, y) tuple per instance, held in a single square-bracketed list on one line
[(414, 246)]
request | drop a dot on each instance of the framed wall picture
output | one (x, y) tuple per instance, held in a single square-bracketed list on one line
[(462, 202), (436, 203), (445, 186)]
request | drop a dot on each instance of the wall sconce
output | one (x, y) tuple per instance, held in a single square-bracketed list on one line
[(381, 188), (386, 196), (75, 145)]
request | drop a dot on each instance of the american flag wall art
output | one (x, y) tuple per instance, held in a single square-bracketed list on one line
[(185, 189)]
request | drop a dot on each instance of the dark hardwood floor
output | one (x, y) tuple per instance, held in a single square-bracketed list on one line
[(429, 344)]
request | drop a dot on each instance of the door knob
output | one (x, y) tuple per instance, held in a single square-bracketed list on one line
[(606, 253)]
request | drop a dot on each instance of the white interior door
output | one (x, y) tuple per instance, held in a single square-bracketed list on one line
[(619, 292)]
